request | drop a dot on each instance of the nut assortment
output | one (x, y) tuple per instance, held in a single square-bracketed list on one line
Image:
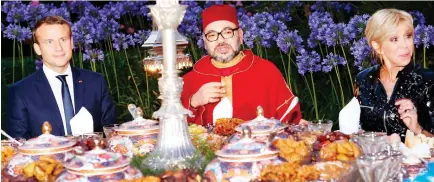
[(342, 150)]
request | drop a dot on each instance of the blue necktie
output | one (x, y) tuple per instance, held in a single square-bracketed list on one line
[(67, 103)]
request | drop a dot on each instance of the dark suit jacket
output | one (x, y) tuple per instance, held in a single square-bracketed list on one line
[(31, 102)]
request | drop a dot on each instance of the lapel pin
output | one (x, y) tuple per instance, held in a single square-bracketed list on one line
[(79, 81)]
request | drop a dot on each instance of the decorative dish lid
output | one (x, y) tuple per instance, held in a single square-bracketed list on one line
[(262, 125), (46, 143), (138, 125), (247, 148), (96, 162)]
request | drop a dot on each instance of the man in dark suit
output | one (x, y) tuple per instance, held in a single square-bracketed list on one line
[(58, 91)]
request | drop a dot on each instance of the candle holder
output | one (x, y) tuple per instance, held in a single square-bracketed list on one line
[(174, 146)]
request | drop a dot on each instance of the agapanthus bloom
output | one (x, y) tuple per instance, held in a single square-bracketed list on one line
[(423, 35), (93, 55), (16, 32), (62, 11), (84, 31), (140, 36), (289, 40), (105, 28), (191, 24), (122, 41), (358, 23), (331, 61), (418, 18), (308, 62), (362, 53), (316, 21), (110, 11), (17, 12)]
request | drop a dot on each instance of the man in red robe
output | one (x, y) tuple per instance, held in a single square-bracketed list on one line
[(247, 80)]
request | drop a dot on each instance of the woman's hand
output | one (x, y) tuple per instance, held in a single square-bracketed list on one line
[(408, 114)]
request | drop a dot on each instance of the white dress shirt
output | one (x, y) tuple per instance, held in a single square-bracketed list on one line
[(56, 87)]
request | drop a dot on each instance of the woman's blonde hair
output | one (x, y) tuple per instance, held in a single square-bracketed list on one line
[(381, 23)]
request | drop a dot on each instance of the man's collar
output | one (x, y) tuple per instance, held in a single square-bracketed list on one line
[(205, 67), (51, 73)]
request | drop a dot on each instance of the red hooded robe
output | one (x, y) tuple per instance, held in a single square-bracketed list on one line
[(254, 82)]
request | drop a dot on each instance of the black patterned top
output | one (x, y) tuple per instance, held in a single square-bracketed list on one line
[(379, 113)]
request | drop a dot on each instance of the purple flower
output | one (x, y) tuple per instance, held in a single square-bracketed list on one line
[(84, 31), (285, 17), (93, 55), (418, 18), (36, 12), (322, 6), (38, 64), (143, 11), (79, 7), (131, 7), (122, 41), (261, 29), (295, 3), (308, 62), (361, 52), (10, 5), (17, 13), (92, 12), (358, 23), (289, 40), (332, 34), (423, 35), (140, 36), (191, 25), (331, 61), (209, 3), (248, 25), (105, 28), (316, 21), (62, 11), (110, 11), (16, 32)]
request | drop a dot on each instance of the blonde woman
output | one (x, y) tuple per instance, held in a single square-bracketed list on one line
[(395, 95)]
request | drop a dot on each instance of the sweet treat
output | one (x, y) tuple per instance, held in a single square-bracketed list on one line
[(226, 126), (342, 150), (293, 151), (46, 169), (412, 140), (323, 140), (7, 152), (195, 129)]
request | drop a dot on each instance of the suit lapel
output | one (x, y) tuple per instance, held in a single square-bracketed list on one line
[(44, 91), (78, 89)]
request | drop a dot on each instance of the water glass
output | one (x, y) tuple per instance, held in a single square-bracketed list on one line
[(371, 142), (374, 167), (323, 126), (108, 129)]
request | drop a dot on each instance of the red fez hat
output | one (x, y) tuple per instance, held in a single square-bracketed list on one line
[(219, 12)]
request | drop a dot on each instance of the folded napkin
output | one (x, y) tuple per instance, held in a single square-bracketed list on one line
[(222, 110), (349, 117), (82, 122)]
